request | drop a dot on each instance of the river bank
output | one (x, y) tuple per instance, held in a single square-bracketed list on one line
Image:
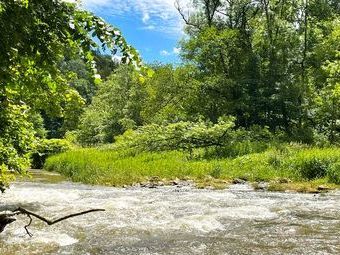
[(291, 168)]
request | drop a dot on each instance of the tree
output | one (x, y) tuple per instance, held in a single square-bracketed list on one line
[(327, 99), (171, 95), (261, 61), (115, 108), (34, 37)]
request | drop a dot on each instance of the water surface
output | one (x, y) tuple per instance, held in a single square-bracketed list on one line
[(171, 220)]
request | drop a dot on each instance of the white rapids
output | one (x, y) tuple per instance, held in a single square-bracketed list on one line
[(171, 220)]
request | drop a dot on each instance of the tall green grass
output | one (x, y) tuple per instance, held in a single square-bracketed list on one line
[(110, 167)]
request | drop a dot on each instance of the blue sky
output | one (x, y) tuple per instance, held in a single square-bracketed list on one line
[(153, 27)]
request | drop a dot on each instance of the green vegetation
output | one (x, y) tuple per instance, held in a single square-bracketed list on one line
[(273, 64), (37, 37), (255, 76), (48, 147), (293, 163), (16, 140)]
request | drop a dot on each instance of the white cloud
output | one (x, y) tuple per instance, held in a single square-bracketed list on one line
[(149, 27), (164, 53), (146, 17), (175, 51), (161, 14)]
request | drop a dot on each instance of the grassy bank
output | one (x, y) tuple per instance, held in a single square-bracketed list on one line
[(288, 167)]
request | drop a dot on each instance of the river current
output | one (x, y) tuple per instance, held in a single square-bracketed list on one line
[(170, 220)]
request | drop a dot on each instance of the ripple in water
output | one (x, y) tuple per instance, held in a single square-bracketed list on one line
[(166, 221)]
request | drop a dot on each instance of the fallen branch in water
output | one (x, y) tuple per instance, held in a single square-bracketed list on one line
[(8, 217)]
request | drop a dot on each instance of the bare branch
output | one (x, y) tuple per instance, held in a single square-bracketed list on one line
[(29, 224), (185, 19), (222, 13), (8, 217), (51, 222)]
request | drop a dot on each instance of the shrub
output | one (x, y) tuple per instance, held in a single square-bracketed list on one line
[(17, 139), (312, 163), (46, 148), (236, 149), (314, 168), (181, 135), (334, 173), (219, 140), (303, 135), (216, 172)]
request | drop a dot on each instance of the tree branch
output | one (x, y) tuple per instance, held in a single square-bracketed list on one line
[(185, 19), (7, 218), (51, 222)]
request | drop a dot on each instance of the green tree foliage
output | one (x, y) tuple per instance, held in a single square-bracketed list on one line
[(180, 135), (268, 63), (115, 108), (219, 140), (171, 95), (34, 36), (16, 140), (264, 62), (126, 101), (80, 79), (327, 97), (105, 65)]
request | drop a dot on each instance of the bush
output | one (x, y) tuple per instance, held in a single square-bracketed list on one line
[(17, 139), (312, 163), (177, 136), (302, 135), (334, 173), (236, 149), (218, 140), (46, 148), (314, 168)]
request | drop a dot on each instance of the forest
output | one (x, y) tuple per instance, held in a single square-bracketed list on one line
[(255, 98)]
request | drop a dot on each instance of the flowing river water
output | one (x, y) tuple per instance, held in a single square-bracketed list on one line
[(170, 220)]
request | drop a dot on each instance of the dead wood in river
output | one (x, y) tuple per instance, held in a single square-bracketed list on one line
[(10, 216)]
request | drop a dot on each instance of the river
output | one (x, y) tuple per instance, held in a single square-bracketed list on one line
[(170, 220)]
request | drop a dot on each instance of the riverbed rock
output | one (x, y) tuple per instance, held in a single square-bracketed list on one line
[(261, 186), (323, 188), (283, 180), (148, 185), (136, 185), (238, 181), (160, 183), (175, 182)]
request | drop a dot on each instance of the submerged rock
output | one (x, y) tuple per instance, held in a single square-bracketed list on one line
[(149, 185)]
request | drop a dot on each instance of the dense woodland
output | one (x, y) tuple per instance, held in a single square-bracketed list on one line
[(255, 70), (273, 64)]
